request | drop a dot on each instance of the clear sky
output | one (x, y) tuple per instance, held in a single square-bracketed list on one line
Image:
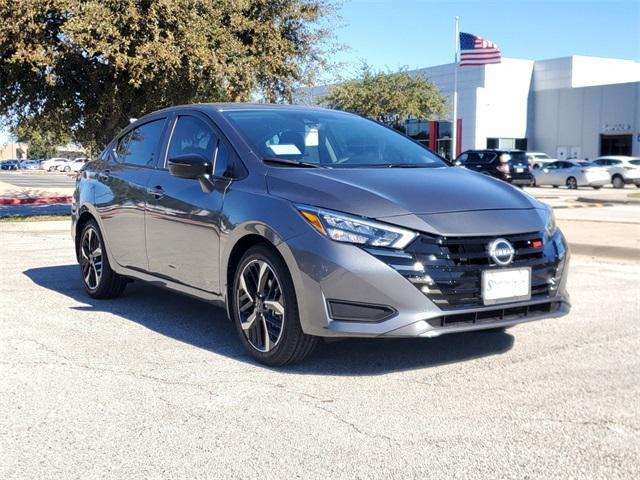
[(419, 33)]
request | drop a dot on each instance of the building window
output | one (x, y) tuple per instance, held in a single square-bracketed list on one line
[(507, 143)]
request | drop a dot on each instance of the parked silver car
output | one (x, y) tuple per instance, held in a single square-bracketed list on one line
[(309, 223), (29, 164), (622, 170), (572, 174)]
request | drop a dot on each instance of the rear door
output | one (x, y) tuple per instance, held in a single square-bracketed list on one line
[(183, 219), (122, 194)]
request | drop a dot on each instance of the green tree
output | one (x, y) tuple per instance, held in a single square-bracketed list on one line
[(388, 97), (42, 136), (91, 65)]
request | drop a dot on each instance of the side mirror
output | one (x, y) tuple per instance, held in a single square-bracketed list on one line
[(191, 165)]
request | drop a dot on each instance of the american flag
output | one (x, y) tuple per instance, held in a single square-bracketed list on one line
[(477, 51)]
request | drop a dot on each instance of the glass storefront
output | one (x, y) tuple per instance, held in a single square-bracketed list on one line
[(422, 131), (418, 130)]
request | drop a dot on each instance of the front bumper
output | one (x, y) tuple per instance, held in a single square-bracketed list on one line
[(324, 271)]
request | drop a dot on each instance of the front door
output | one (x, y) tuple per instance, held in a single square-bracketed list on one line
[(183, 219), (121, 193)]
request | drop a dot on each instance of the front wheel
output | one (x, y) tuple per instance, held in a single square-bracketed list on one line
[(99, 280), (265, 309), (572, 183)]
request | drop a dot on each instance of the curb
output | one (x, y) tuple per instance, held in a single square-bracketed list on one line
[(630, 201), (35, 200), (604, 251)]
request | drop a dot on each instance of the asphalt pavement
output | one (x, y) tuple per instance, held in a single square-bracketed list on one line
[(155, 385), (37, 179)]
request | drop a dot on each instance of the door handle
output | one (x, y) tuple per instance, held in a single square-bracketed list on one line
[(156, 191)]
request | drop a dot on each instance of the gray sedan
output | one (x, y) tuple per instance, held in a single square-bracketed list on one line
[(308, 223)]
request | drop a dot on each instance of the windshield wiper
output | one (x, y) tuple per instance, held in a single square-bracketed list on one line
[(292, 163)]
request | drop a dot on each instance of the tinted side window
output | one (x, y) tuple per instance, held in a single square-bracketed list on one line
[(141, 144), (192, 136)]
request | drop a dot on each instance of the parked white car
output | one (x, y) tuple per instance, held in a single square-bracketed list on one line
[(73, 165), (52, 164), (622, 169), (538, 159), (572, 174)]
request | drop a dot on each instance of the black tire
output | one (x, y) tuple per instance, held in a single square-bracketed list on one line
[(572, 183), (291, 345), (617, 181), (106, 284)]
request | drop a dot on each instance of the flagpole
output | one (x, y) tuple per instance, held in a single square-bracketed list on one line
[(454, 125)]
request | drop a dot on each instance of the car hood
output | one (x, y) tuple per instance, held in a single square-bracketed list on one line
[(386, 192), (449, 200)]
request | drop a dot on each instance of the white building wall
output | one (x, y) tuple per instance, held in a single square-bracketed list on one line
[(574, 118), (502, 104)]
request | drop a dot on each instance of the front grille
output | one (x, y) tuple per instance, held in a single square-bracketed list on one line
[(448, 269), (494, 315)]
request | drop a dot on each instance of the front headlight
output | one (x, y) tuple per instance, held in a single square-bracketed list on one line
[(550, 226), (346, 228)]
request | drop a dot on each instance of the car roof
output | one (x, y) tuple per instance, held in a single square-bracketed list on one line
[(226, 107)]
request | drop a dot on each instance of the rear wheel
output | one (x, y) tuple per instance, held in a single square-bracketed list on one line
[(617, 181), (99, 280), (572, 183), (67, 169), (265, 309)]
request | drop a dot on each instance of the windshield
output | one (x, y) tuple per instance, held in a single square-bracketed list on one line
[(328, 139)]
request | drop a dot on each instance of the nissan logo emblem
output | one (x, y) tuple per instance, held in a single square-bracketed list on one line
[(501, 251)]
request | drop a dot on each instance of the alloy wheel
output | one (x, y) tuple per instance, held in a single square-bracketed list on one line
[(260, 305), (572, 183), (91, 258)]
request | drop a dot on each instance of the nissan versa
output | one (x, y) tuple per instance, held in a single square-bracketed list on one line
[(309, 223)]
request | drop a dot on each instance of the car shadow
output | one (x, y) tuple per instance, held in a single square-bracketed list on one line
[(205, 326)]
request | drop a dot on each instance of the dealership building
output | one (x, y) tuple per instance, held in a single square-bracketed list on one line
[(570, 107)]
